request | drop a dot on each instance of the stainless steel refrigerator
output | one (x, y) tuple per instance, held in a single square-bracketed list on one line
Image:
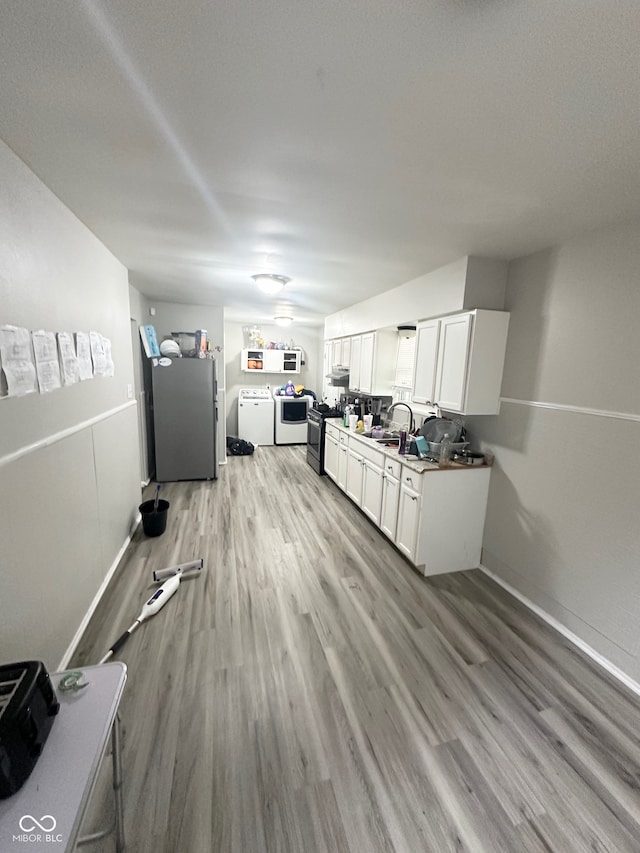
[(185, 419)]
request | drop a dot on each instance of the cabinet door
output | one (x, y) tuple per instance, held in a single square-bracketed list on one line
[(272, 361), (336, 353), (389, 510), (367, 355), (326, 368), (372, 491), (355, 467), (453, 356), (346, 352), (408, 521), (354, 367), (342, 466), (331, 456), (425, 362)]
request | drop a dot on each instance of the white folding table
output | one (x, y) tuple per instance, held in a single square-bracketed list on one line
[(46, 813)]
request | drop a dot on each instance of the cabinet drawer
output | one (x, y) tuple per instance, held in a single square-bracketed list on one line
[(372, 454), (333, 430), (392, 468), (411, 480)]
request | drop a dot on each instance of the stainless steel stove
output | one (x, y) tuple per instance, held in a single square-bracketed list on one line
[(315, 436)]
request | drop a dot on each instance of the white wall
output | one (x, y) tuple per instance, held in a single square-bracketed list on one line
[(562, 523), (69, 463), (469, 282), (307, 337)]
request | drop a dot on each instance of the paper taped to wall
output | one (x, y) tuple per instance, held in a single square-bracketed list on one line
[(16, 357), (45, 350)]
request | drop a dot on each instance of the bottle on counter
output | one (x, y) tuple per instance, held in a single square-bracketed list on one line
[(444, 460)]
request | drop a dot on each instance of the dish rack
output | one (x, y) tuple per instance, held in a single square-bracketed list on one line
[(434, 448)]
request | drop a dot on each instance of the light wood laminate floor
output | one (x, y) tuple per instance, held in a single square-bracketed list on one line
[(310, 693)]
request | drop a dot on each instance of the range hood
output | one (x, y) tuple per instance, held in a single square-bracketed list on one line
[(339, 376)]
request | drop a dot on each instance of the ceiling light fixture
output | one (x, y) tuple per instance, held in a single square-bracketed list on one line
[(270, 283), (283, 321)]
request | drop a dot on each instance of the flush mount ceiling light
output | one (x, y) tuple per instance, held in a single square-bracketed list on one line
[(283, 321), (269, 283)]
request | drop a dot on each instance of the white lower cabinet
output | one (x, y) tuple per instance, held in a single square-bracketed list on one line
[(409, 507), (331, 456), (434, 517), (389, 510), (355, 467), (343, 453), (372, 491)]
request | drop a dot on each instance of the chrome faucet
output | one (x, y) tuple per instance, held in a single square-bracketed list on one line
[(407, 406)]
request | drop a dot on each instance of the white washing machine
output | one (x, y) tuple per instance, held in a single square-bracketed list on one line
[(291, 419), (255, 415)]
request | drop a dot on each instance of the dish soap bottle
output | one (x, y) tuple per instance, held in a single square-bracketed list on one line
[(444, 460)]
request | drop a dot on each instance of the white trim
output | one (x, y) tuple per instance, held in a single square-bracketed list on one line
[(611, 668), (64, 663), (65, 433), (580, 410)]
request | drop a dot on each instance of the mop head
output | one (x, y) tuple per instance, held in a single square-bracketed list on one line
[(182, 569)]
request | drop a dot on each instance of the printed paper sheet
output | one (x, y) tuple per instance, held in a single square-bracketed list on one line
[(97, 353), (83, 353), (69, 365), (17, 361), (108, 358), (45, 350)]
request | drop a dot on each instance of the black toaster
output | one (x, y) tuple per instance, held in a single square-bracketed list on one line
[(28, 705)]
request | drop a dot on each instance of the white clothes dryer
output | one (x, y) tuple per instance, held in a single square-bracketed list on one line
[(291, 419)]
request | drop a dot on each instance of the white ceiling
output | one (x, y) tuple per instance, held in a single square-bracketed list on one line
[(349, 145)]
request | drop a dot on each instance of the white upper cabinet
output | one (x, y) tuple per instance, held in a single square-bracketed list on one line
[(346, 352), (367, 349), (372, 366), (354, 367), (339, 352), (271, 361), (425, 361), (453, 356), (459, 361)]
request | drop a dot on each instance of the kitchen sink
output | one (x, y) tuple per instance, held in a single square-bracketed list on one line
[(385, 438)]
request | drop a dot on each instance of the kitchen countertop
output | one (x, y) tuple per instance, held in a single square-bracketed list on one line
[(420, 466)]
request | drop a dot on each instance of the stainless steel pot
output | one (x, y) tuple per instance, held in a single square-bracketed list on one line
[(468, 457)]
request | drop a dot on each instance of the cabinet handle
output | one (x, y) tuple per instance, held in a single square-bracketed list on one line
[(389, 467), (414, 498), (409, 480)]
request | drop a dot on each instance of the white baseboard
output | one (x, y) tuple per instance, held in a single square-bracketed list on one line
[(611, 668), (64, 663)]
